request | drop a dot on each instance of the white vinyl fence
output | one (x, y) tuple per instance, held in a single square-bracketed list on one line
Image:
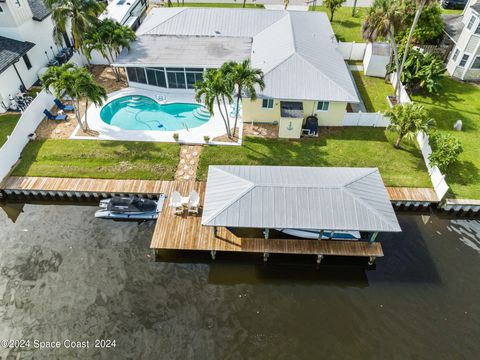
[(438, 179), (352, 50), (365, 119), (28, 122)]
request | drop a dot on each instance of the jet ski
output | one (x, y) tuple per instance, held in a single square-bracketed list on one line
[(313, 234), (130, 208)]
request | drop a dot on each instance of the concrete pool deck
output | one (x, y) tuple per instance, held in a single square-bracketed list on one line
[(213, 128)]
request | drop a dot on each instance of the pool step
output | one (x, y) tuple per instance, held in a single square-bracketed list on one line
[(201, 113)]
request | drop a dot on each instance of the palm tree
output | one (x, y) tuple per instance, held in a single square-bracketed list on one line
[(81, 15), (384, 20), (244, 79), (420, 4), (333, 5), (76, 83), (215, 89), (108, 38), (407, 120)]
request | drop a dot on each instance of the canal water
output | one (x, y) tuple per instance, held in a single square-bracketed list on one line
[(65, 275)]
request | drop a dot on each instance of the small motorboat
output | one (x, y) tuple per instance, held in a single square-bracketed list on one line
[(130, 208), (327, 234)]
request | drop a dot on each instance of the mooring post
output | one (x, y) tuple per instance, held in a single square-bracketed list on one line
[(265, 256), (371, 260), (320, 234), (319, 258), (373, 237), (266, 233), (213, 253)]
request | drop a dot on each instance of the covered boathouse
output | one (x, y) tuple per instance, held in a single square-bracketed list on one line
[(263, 200)]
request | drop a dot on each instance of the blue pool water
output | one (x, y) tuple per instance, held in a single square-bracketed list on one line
[(143, 113)]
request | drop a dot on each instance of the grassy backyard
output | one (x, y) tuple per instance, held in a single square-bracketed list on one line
[(458, 100), (346, 27), (374, 91), (353, 146), (7, 124), (237, 4), (99, 159)]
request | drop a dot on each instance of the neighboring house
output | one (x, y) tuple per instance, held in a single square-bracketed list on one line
[(464, 31), (26, 45), (304, 72), (128, 13)]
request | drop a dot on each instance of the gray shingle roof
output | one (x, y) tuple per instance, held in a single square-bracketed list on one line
[(476, 7), (295, 50), (453, 26), (39, 9), (11, 50), (299, 198)]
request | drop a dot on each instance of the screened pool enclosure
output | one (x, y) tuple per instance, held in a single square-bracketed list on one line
[(166, 77)]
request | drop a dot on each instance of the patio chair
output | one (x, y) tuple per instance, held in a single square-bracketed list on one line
[(176, 203), (57, 117), (193, 202), (62, 106)]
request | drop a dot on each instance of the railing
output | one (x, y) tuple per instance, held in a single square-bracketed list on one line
[(27, 124), (366, 119)]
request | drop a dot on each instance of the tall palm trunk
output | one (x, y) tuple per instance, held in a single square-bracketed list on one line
[(115, 70), (398, 141), (86, 111), (227, 127), (237, 110), (244, 2), (226, 115), (397, 65), (77, 113), (410, 35), (354, 7)]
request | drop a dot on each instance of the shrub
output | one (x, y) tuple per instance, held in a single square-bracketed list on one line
[(206, 138), (430, 25), (176, 136), (446, 149)]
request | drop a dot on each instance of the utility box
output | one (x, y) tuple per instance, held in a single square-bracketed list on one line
[(377, 58)]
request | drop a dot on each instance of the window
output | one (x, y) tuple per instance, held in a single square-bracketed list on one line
[(176, 78), (28, 64), (464, 60), (477, 32), (193, 75), (267, 103), (476, 63), (136, 74), (455, 55), (323, 105), (471, 22), (156, 77)]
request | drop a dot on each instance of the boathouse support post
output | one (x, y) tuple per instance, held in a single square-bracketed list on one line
[(320, 234), (371, 260), (265, 256), (319, 258), (213, 253), (266, 233), (331, 235), (373, 237)]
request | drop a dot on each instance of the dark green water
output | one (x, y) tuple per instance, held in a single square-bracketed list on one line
[(66, 275)]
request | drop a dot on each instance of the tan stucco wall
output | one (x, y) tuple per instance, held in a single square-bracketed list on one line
[(253, 111), (289, 128)]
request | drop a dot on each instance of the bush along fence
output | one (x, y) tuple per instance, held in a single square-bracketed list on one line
[(438, 179)]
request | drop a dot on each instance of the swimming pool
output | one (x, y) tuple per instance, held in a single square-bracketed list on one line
[(143, 113)]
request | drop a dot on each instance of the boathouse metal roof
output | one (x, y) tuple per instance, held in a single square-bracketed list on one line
[(321, 198), (296, 50)]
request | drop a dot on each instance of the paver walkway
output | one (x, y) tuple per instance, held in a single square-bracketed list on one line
[(187, 166)]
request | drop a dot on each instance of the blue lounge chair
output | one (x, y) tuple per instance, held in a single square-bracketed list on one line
[(50, 116), (62, 106)]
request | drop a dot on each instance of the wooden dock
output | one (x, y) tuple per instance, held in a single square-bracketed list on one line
[(403, 197), (186, 232)]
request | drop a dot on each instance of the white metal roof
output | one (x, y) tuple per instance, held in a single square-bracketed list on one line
[(298, 198), (295, 50)]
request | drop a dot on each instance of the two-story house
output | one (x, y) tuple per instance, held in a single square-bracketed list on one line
[(26, 45), (464, 31)]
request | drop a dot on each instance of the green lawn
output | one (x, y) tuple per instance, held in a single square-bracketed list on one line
[(452, 11), (352, 146), (374, 91), (346, 27), (459, 100), (99, 159), (7, 124), (237, 4)]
